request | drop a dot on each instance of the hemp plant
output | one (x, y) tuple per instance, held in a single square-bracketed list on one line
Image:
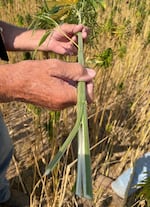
[(79, 12)]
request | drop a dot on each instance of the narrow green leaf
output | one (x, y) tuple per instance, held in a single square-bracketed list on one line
[(44, 37), (63, 148), (88, 178)]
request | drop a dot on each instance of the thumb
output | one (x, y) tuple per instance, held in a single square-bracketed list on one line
[(72, 71)]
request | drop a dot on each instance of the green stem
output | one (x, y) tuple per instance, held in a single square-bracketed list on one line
[(84, 180)]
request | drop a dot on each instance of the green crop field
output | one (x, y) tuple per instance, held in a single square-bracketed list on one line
[(118, 119)]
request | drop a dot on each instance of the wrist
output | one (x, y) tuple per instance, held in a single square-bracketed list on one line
[(28, 40), (11, 85)]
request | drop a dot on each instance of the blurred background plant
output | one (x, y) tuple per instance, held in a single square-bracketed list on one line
[(144, 193)]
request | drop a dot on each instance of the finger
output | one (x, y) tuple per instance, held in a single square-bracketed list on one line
[(67, 93), (74, 39), (88, 75), (71, 97), (85, 32), (74, 28), (72, 93), (60, 50), (70, 48), (65, 49), (72, 71), (89, 91), (81, 28), (72, 51), (71, 90)]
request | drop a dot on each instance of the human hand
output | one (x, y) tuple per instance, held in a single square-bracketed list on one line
[(47, 83), (58, 41), (17, 38)]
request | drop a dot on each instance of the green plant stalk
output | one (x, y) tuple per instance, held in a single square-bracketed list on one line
[(84, 180)]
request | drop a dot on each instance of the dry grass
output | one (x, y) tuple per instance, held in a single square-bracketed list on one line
[(119, 118)]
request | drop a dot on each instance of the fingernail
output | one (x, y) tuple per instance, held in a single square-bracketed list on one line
[(91, 72)]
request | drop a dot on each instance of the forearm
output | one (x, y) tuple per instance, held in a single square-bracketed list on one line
[(17, 38), (6, 83), (25, 81)]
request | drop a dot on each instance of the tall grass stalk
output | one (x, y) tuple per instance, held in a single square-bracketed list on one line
[(84, 181)]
